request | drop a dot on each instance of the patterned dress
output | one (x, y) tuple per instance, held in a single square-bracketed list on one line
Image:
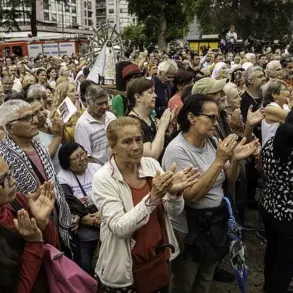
[(277, 197)]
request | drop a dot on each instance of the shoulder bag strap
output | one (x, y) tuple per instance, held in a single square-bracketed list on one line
[(79, 184)]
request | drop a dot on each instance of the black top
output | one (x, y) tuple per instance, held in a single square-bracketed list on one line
[(277, 197), (149, 131), (246, 102)]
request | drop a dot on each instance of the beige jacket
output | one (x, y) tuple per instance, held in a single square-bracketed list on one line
[(120, 219)]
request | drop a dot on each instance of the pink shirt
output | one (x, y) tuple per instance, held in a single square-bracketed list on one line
[(175, 100), (38, 163)]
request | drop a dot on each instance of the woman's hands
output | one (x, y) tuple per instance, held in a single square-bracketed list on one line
[(243, 150), (173, 183), (27, 227), (91, 219), (225, 149), (41, 203)]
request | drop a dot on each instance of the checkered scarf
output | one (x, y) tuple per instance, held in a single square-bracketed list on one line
[(27, 181)]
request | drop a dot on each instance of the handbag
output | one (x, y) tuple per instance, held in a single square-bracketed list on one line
[(207, 240), (65, 276)]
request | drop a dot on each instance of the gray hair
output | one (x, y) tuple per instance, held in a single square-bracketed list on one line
[(33, 89), (273, 87), (249, 71), (249, 57), (94, 92), (165, 66), (9, 111), (272, 64)]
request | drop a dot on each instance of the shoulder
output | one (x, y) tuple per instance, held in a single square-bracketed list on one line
[(150, 163), (93, 167), (176, 144), (64, 176), (110, 116)]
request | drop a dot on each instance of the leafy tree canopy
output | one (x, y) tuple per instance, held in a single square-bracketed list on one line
[(260, 19)]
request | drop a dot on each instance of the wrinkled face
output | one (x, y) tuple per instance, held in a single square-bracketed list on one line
[(167, 77), (288, 70), (258, 79), (42, 77), (283, 97), (204, 124), (40, 112), (233, 99), (26, 126), (148, 98), (72, 93), (78, 160), (7, 84), (7, 184), (129, 146), (99, 106), (276, 72), (12, 70)]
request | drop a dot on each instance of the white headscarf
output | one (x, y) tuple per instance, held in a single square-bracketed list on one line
[(217, 69)]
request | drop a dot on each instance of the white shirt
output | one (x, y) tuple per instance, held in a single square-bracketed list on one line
[(269, 130), (17, 86), (232, 37), (91, 134), (67, 177)]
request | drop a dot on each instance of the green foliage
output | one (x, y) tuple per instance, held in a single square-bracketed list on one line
[(177, 13), (134, 35), (260, 19)]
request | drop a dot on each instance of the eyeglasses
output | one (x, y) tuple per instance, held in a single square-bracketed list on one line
[(81, 156), (213, 118), (6, 179), (28, 118)]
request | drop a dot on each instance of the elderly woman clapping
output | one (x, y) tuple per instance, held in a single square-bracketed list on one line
[(135, 198)]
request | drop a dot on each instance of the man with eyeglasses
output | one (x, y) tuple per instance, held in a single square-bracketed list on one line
[(164, 86), (31, 161), (90, 130)]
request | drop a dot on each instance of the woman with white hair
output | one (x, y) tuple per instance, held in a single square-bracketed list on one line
[(220, 71)]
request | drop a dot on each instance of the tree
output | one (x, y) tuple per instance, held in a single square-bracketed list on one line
[(164, 20), (260, 19), (135, 35)]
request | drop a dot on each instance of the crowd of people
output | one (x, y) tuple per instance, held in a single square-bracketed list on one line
[(131, 186)]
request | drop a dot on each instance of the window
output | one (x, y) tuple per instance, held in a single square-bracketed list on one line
[(123, 10), (90, 22), (111, 11), (67, 8), (90, 14), (85, 13), (85, 22), (111, 20), (67, 19), (111, 2), (54, 16), (73, 1), (74, 20), (73, 9), (89, 5), (46, 16), (46, 4), (85, 5)]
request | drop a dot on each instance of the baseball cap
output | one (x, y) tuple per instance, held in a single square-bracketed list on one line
[(208, 86), (130, 70)]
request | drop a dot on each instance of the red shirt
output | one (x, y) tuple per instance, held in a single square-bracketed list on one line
[(32, 276), (175, 100)]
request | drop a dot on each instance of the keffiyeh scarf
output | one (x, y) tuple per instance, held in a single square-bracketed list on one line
[(27, 181)]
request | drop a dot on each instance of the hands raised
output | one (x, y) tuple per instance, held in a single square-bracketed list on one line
[(27, 227), (253, 118), (173, 183), (41, 203)]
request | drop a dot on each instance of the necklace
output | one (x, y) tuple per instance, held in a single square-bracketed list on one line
[(148, 122)]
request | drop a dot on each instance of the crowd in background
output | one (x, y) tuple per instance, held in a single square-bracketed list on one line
[(131, 187)]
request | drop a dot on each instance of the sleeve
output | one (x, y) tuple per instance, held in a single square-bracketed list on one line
[(117, 106), (107, 200), (31, 263), (50, 235), (81, 136)]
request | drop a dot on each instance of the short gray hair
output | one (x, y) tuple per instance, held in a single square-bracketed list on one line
[(33, 89), (94, 92), (273, 87), (272, 64), (165, 66), (249, 71), (9, 111)]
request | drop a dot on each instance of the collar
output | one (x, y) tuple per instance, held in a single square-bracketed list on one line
[(143, 170), (90, 118)]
